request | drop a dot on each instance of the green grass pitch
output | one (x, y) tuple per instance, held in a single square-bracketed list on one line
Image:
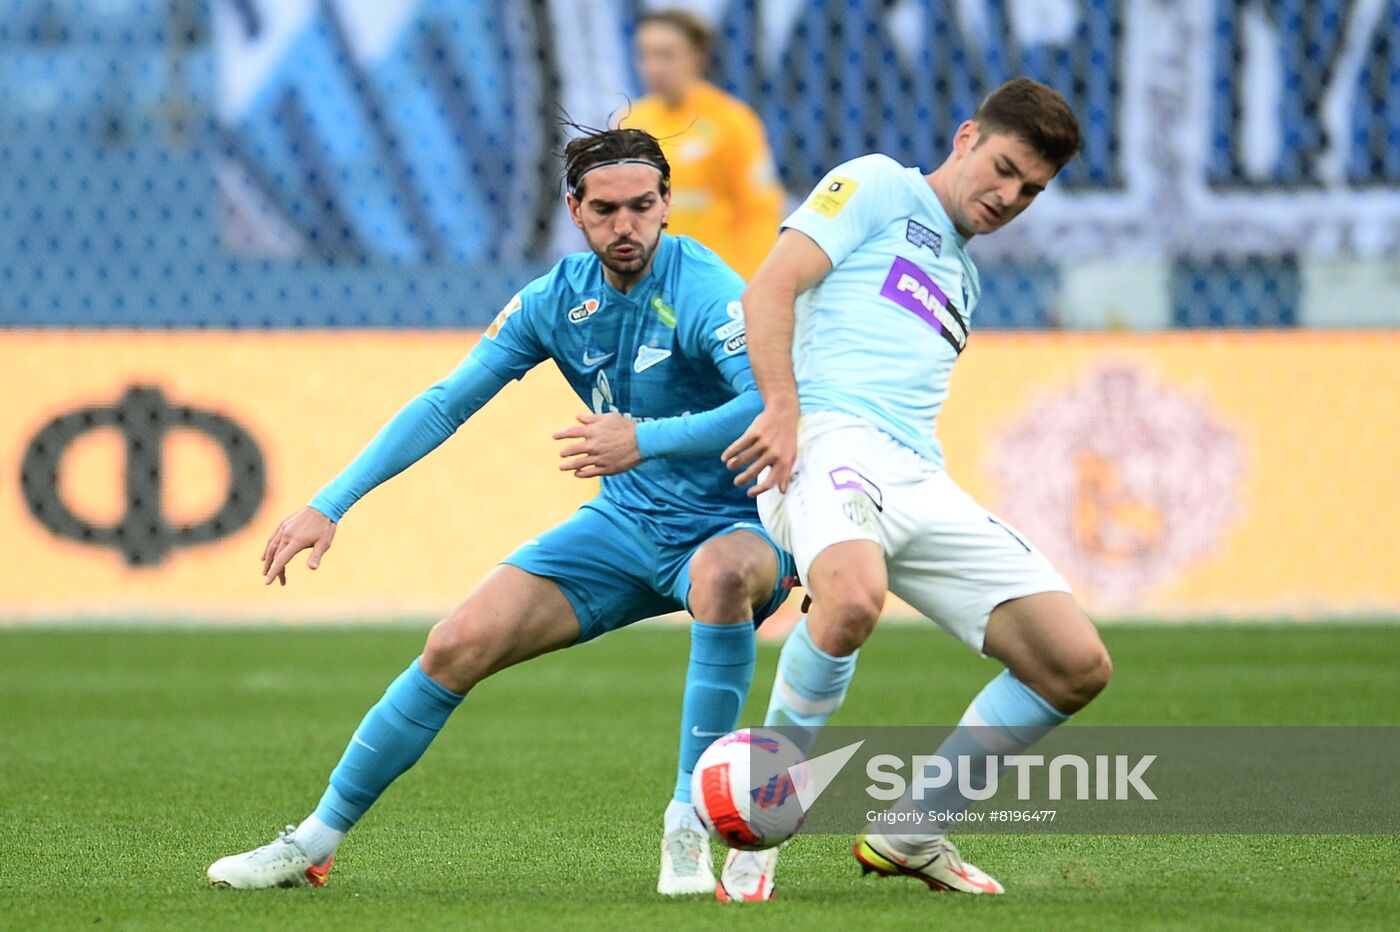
[(130, 759)]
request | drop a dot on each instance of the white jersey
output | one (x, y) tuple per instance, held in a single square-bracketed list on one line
[(878, 336)]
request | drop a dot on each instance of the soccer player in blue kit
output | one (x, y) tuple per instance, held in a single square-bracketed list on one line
[(855, 321), (648, 330)]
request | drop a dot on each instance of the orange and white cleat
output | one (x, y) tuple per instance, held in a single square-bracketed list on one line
[(279, 864), (747, 876), (939, 865)]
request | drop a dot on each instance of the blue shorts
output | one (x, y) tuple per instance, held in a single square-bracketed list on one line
[(613, 573)]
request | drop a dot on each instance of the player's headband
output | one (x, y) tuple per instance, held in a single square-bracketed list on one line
[(578, 182)]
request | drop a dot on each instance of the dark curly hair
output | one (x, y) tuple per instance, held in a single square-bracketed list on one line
[(595, 147)]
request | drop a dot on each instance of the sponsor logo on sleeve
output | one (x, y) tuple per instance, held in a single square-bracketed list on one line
[(728, 330), (587, 309), (920, 235), (736, 343), (735, 327), (831, 196), (511, 307), (912, 289)]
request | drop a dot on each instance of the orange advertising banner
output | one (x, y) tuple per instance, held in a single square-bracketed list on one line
[(1176, 475)]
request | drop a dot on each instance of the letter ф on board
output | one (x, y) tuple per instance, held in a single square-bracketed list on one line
[(143, 417)]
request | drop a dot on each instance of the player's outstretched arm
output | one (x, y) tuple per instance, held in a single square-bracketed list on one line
[(795, 265), (418, 429)]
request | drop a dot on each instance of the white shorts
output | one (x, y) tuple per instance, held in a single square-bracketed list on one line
[(946, 555)]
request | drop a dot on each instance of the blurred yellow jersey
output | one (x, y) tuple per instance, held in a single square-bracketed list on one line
[(724, 191)]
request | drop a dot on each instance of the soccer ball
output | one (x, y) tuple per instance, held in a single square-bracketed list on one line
[(744, 789)]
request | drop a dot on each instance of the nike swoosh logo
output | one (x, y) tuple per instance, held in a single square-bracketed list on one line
[(695, 730), (356, 738), (986, 886), (594, 360)]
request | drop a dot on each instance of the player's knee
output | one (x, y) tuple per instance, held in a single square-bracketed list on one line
[(457, 654), (722, 585), (1093, 674), (845, 619), (1081, 677)]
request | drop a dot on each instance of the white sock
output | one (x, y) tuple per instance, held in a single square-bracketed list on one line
[(681, 815), (316, 839)]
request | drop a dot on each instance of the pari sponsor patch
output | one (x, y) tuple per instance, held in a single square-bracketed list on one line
[(587, 309), (912, 289), (830, 198)]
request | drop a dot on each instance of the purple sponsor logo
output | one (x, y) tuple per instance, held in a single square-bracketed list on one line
[(845, 477), (910, 287)]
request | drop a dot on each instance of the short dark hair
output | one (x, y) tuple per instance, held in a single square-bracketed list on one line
[(1035, 113), (597, 147), (687, 24)]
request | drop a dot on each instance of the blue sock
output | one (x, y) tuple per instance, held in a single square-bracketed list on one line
[(390, 739), (1006, 718), (809, 688), (716, 683)]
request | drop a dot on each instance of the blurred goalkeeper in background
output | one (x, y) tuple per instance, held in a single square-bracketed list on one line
[(647, 329), (725, 192)]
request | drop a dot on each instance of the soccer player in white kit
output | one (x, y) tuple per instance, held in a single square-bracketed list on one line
[(854, 322)]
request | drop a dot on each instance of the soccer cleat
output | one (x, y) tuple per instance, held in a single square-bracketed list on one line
[(747, 876), (685, 863), (939, 865), (279, 864)]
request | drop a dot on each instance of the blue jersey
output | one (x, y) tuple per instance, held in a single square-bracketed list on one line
[(670, 353), (878, 336), (672, 346)]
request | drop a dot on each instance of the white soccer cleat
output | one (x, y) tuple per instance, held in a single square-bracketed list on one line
[(279, 864), (747, 876), (686, 867), (939, 865)]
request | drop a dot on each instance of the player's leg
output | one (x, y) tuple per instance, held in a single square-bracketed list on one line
[(830, 518), (510, 617), (725, 584), (1050, 646), (847, 584), (844, 581), (834, 519), (732, 579), (563, 587), (982, 581)]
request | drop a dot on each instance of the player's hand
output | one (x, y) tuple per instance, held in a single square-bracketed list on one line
[(307, 529), (607, 445), (769, 443)]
